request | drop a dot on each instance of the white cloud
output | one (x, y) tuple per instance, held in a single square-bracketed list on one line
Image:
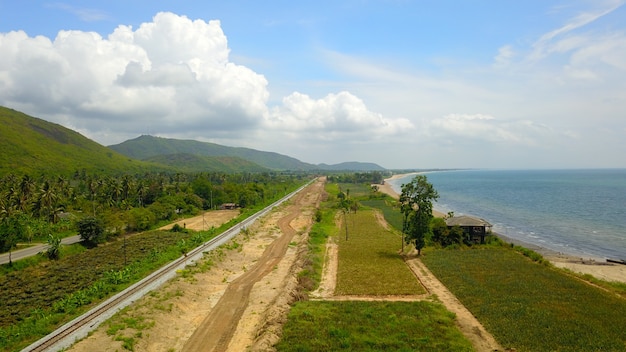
[(608, 50), (173, 77), (544, 45), (172, 74), (505, 54), (487, 128), (332, 117), (85, 14)]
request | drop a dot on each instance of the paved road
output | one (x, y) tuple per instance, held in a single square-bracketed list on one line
[(30, 251)]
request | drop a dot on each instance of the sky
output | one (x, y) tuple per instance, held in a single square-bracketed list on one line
[(537, 84)]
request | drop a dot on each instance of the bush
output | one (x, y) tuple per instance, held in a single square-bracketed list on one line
[(318, 215), (178, 228), (91, 230), (54, 247), (445, 236), (140, 219)]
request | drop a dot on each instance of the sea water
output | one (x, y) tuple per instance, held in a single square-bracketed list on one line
[(575, 212)]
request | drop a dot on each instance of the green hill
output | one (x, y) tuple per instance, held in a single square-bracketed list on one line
[(195, 163), (145, 147), (352, 166), (33, 146), (150, 147)]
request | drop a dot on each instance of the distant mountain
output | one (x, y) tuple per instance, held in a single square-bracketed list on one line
[(195, 163), (33, 146), (352, 166), (146, 147), (150, 147)]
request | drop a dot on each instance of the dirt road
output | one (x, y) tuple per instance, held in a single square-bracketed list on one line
[(217, 329)]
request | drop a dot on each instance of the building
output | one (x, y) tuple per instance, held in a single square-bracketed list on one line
[(475, 229)]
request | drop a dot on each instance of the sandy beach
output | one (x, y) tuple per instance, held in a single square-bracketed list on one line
[(599, 269), (388, 190)]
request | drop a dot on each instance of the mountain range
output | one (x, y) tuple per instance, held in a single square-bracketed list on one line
[(32, 145)]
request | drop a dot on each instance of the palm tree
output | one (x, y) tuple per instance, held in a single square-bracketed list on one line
[(93, 190), (127, 186), (27, 186), (47, 201), (116, 190), (142, 191)]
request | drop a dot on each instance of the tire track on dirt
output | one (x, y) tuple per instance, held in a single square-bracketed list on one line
[(218, 328)]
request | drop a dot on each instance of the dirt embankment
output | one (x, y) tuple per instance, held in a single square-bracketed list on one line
[(235, 299)]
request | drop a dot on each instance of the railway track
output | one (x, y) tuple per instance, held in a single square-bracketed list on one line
[(78, 328)]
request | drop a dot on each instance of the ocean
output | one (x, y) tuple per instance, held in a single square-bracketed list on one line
[(575, 212)]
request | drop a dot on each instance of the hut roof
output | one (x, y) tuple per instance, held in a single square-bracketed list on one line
[(465, 220)]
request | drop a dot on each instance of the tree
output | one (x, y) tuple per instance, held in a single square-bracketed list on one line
[(47, 201), (91, 230), (12, 230), (416, 205)]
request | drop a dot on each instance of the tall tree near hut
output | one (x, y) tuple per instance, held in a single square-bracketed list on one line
[(417, 206)]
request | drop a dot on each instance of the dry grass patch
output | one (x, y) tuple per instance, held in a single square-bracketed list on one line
[(369, 263)]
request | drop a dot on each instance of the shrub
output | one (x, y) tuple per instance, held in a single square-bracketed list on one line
[(318, 215), (91, 230), (177, 228), (54, 247), (140, 219)]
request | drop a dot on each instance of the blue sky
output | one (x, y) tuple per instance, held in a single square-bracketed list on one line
[(405, 84)]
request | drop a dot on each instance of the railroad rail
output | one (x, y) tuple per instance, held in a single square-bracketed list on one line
[(78, 328)]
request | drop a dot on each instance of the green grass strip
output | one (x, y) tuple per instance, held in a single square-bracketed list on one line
[(392, 215), (371, 326), (369, 263)]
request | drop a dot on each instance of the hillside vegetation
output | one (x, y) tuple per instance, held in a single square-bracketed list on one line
[(194, 163), (33, 146), (145, 147), (149, 147)]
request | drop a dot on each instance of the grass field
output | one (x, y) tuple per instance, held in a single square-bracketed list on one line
[(392, 215), (369, 263), (371, 326), (530, 306), (356, 190)]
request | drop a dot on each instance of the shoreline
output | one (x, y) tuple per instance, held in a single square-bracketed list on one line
[(599, 269), (388, 190)]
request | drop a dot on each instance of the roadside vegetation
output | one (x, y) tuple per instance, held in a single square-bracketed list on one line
[(33, 208), (43, 292), (39, 298)]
